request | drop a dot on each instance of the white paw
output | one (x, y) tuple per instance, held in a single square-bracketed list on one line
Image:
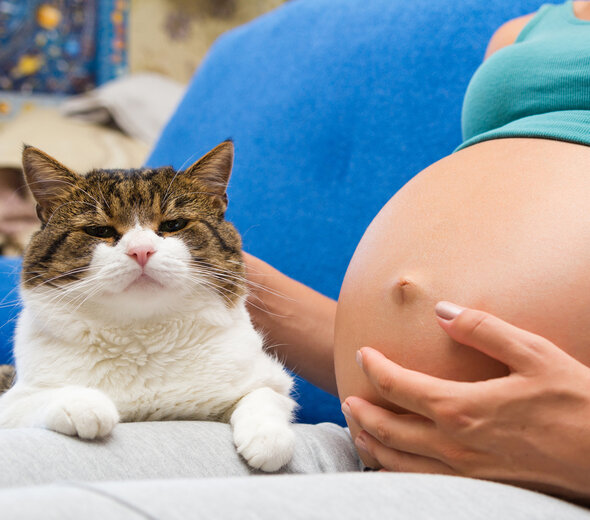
[(85, 412), (266, 445)]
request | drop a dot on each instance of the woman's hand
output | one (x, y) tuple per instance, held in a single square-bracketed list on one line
[(530, 428)]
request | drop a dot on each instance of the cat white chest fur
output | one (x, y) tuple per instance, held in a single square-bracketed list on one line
[(134, 310), (182, 367)]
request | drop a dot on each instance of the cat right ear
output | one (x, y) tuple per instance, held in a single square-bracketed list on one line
[(50, 181), (214, 169)]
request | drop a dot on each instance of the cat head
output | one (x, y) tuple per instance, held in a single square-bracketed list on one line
[(136, 241)]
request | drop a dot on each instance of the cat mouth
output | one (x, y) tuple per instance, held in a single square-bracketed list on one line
[(144, 281)]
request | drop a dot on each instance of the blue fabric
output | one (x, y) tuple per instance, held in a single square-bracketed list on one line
[(9, 305), (333, 105)]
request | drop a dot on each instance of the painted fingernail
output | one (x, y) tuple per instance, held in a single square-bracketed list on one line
[(448, 310), (360, 442), (359, 358), (346, 409)]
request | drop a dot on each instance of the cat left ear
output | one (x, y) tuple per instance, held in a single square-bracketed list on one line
[(50, 181), (214, 169)]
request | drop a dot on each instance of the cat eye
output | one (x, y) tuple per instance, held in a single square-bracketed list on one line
[(101, 231), (170, 226)]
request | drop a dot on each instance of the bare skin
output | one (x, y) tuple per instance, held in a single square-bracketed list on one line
[(582, 9), (501, 226), (495, 227)]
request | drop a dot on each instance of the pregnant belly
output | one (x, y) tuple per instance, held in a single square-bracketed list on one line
[(502, 226)]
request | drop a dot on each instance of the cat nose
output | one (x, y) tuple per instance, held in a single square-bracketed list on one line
[(141, 253)]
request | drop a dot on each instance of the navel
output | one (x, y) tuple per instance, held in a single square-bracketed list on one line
[(404, 290)]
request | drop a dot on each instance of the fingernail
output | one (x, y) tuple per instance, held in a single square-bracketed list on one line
[(346, 409), (359, 358), (448, 310), (360, 442)]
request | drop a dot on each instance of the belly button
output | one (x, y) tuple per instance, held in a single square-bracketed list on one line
[(404, 290)]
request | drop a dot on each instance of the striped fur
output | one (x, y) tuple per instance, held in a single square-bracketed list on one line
[(6, 377)]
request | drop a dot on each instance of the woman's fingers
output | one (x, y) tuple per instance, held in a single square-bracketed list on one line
[(414, 391), (404, 432), (399, 461), (516, 348)]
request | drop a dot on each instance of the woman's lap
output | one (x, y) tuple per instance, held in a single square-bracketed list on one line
[(158, 450)]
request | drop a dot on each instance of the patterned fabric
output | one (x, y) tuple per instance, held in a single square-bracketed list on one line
[(65, 46)]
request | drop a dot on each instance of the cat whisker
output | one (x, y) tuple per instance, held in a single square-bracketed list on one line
[(62, 275), (74, 286), (215, 289), (67, 183), (165, 197), (220, 289), (8, 305), (54, 297), (11, 272), (88, 296), (4, 303), (81, 297), (70, 202), (188, 161), (63, 295), (266, 311), (95, 206), (8, 321), (242, 279), (103, 197), (205, 279), (186, 193)]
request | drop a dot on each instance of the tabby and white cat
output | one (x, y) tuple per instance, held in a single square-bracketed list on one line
[(134, 309)]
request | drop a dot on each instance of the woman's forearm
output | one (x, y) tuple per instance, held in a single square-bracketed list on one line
[(297, 321)]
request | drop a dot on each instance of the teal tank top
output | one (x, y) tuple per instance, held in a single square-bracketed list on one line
[(537, 87)]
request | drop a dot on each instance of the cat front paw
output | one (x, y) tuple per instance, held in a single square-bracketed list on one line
[(267, 445), (84, 412)]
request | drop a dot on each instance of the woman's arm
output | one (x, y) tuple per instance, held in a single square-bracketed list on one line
[(530, 428), (298, 322)]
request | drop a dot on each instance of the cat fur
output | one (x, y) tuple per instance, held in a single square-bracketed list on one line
[(117, 341)]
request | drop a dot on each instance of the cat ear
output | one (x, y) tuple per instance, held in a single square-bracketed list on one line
[(214, 169), (50, 181)]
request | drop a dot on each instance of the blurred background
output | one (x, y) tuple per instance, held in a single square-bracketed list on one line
[(92, 82)]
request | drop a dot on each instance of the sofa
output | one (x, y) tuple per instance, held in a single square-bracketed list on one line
[(332, 105)]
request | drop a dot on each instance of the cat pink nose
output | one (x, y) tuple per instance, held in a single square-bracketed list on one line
[(141, 253)]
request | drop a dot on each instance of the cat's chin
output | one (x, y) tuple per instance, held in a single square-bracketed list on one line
[(138, 303)]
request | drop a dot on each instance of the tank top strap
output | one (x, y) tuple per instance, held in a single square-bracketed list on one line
[(550, 17)]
